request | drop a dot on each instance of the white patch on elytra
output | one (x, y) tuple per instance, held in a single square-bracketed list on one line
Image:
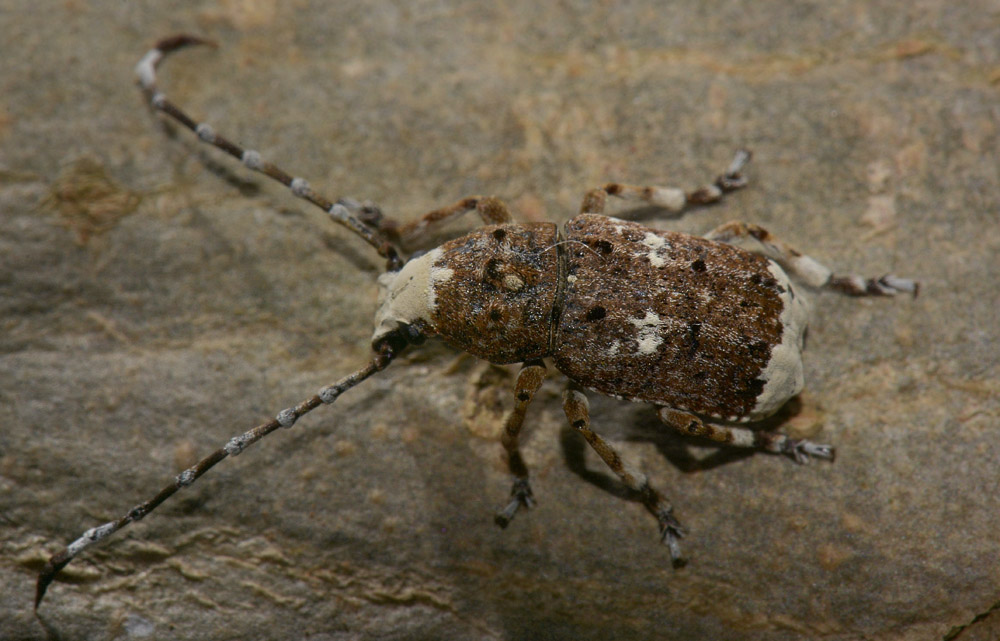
[(783, 377), (613, 350), (655, 244), (648, 337)]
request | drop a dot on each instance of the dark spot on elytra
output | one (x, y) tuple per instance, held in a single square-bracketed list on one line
[(492, 268), (691, 340), (496, 315), (759, 348), (700, 376), (773, 284), (604, 246), (768, 282), (596, 313), (499, 235), (698, 265), (754, 387)]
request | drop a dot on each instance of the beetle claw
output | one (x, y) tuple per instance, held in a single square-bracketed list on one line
[(520, 494), (670, 534), (802, 450)]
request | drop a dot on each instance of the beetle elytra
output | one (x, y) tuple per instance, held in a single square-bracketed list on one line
[(709, 330)]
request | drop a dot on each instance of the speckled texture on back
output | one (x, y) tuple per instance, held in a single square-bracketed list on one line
[(498, 300), (666, 318)]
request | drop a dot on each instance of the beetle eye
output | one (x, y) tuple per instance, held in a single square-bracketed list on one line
[(413, 334)]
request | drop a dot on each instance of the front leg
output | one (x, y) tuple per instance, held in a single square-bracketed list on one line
[(491, 210)]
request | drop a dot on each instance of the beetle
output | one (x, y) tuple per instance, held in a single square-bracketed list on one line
[(709, 330)]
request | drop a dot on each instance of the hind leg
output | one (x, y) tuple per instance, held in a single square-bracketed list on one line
[(776, 442), (760, 241)]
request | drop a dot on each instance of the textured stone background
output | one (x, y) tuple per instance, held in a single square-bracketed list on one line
[(156, 299)]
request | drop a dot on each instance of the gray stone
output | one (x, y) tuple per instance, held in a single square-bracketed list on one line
[(157, 298)]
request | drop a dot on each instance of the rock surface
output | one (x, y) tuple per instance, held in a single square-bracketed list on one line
[(157, 299)]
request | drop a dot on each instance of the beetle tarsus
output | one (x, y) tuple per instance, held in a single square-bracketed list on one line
[(670, 534), (887, 285), (520, 495), (733, 177), (802, 450)]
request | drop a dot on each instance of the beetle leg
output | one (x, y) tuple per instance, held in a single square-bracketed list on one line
[(578, 412), (777, 442), (760, 241), (671, 198), (491, 210), (529, 379)]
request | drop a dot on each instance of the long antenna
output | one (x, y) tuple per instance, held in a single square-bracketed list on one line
[(285, 418), (146, 73)]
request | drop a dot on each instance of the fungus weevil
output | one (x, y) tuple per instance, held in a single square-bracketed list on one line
[(709, 332)]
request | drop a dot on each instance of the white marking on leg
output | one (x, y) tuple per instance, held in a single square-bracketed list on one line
[(667, 197), (899, 284), (742, 437), (810, 270)]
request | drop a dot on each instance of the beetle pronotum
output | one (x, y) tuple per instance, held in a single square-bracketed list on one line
[(709, 332)]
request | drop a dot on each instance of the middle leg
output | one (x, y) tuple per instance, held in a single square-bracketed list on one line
[(671, 198)]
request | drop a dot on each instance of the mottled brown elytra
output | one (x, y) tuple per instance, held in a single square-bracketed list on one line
[(708, 332)]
